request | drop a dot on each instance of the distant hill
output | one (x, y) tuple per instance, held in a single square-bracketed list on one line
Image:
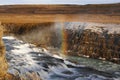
[(112, 9)]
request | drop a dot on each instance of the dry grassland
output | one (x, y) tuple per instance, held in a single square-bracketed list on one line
[(99, 18)]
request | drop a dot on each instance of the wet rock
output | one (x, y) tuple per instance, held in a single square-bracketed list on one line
[(82, 78), (98, 45)]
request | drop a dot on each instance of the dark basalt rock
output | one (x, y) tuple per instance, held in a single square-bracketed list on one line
[(94, 44)]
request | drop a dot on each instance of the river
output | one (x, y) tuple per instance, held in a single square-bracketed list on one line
[(25, 58)]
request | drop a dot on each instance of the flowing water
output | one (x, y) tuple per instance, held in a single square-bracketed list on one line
[(25, 58)]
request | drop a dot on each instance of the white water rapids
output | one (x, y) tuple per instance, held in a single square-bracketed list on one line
[(24, 57)]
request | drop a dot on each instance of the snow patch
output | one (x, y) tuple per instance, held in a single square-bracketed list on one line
[(95, 27)]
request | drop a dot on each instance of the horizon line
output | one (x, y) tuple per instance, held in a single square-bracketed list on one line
[(58, 3)]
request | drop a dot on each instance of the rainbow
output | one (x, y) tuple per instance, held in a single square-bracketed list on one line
[(63, 36), (64, 45)]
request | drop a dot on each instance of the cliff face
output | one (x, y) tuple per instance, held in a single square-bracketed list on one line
[(94, 40), (100, 41), (95, 45), (3, 63)]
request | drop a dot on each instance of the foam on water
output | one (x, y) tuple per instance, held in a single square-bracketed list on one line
[(23, 58)]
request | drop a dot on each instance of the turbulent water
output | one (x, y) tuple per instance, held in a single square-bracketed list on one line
[(24, 57)]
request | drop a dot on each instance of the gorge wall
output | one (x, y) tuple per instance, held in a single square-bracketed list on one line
[(94, 40)]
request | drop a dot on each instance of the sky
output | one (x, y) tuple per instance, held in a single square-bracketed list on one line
[(4, 2)]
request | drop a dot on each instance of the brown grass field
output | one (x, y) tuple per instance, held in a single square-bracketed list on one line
[(103, 13), (100, 18)]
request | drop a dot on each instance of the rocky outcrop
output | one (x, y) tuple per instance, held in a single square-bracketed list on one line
[(94, 44)]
